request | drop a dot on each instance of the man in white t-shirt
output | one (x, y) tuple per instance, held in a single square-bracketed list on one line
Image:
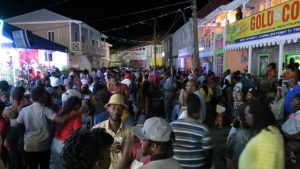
[(54, 81), (70, 92)]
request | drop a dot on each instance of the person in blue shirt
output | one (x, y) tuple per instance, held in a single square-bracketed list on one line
[(293, 89)]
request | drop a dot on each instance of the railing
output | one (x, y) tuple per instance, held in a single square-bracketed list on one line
[(207, 42), (75, 46), (86, 48)]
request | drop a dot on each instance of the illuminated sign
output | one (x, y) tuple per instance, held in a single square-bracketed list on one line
[(219, 43), (279, 20)]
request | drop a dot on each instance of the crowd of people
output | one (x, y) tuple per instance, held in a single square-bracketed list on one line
[(152, 118)]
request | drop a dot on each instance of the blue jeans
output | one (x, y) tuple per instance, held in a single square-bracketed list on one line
[(174, 113), (56, 152)]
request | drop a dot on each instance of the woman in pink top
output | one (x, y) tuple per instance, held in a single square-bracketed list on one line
[(63, 132)]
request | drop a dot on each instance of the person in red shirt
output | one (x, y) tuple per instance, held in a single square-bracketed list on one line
[(271, 72), (63, 132), (118, 88)]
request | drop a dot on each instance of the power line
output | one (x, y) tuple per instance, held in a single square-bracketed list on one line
[(173, 24), (57, 3), (140, 22), (126, 40), (112, 29), (138, 12)]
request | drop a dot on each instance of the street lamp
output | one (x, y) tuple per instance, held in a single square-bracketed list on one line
[(154, 38)]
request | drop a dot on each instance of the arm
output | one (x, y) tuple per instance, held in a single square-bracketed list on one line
[(10, 112), (127, 157), (181, 98), (64, 118)]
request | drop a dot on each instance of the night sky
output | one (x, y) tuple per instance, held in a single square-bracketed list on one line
[(107, 15)]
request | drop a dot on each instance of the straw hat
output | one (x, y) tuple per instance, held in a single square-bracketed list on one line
[(116, 99)]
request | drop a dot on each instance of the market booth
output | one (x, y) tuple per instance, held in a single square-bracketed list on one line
[(23, 54), (272, 35)]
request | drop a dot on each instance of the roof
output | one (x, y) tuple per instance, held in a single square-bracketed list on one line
[(42, 15), (46, 16), (210, 6), (230, 6), (36, 42)]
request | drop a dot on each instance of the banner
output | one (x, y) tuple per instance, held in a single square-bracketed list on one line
[(135, 54), (279, 20), (219, 43)]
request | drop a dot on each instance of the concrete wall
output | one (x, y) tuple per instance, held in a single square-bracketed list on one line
[(182, 38), (272, 51), (233, 60), (291, 48), (61, 31)]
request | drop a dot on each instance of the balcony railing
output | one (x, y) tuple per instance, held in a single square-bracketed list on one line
[(207, 42), (75, 46), (86, 48)]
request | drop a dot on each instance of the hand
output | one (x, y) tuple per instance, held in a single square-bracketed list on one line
[(115, 147), (127, 157)]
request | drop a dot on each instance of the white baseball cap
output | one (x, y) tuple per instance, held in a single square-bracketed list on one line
[(155, 129)]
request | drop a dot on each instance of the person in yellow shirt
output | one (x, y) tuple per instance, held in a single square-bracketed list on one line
[(115, 127), (265, 150), (207, 92)]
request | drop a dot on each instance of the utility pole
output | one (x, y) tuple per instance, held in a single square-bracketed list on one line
[(154, 39), (196, 62)]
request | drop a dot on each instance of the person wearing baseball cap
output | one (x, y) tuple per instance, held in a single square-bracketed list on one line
[(157, 140)]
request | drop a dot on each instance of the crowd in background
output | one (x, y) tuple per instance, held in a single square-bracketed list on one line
[(128, 117)]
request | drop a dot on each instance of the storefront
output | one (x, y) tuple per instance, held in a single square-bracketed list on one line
[(212, 30), (23, 63), (272, 35), (185, 58)]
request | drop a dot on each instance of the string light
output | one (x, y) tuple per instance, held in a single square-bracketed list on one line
[(126, 40), (141, 22)]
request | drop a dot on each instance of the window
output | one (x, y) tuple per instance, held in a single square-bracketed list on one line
[(84, 35), (51, 36), (158, 49), (76, 39), (263, 61)]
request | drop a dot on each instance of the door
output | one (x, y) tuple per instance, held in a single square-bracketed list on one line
[(263, 61)]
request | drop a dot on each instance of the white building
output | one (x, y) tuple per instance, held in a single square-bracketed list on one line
[(87, 46)]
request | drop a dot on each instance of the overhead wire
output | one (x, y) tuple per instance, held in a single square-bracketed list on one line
[(173, 24), (116, 28), (138, 12), (57, 3), (125, 26), (140, 22)]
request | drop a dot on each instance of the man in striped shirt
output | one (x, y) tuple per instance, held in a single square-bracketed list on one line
[(192, 147)]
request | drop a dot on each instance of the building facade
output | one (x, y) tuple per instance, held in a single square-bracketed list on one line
[(83, 41), (270, 32)]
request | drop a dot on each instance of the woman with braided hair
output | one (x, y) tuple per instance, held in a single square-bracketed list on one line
[(86, 149)]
